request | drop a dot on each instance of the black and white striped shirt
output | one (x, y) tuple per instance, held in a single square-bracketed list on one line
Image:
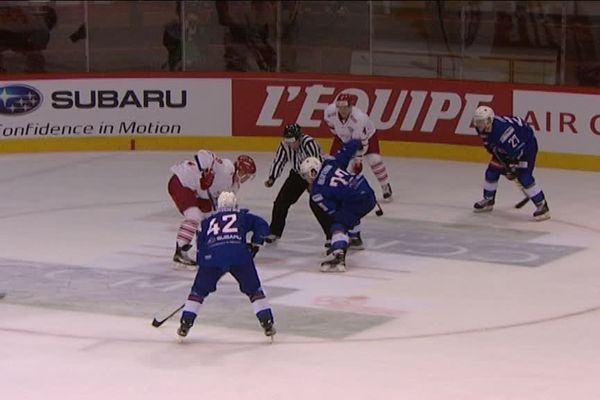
[(308, 148)]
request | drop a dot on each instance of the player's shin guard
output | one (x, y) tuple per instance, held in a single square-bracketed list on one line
[(380, 171), (186, 231), (190, 311), (263, 312)]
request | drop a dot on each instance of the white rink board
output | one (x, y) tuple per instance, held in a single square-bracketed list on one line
[(567, 122), (132, 106)]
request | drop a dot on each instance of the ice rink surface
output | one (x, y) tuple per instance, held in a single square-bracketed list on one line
[(443, 304)]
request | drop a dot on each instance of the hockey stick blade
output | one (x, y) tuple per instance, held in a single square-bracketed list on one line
[(156, 323), (522, 203)]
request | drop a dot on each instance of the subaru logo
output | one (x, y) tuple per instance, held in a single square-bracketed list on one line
[(19, 99)]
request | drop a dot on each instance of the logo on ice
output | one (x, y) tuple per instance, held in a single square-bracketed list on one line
[(410, 110), (19, 99)]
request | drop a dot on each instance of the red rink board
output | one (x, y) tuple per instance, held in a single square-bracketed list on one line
[(413, 110)]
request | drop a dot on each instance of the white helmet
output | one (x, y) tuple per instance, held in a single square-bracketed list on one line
[(310, 167), (227, 200), (483, 117)]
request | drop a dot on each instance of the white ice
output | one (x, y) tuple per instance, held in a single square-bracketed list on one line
[(456, 329)]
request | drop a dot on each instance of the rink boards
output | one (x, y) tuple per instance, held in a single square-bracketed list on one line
[(414, 117)]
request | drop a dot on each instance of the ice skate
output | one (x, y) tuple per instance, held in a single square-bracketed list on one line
[(271, 239), (328, 249), (181, 258), (542, 212), (337, 263), (269, 328), (265, 318), (355, 242), (387, 193), (486, 204), (184, 328)]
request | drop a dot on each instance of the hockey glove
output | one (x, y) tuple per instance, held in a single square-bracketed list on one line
[(510, 173), (207, 178), (357, 165), (253, 249)]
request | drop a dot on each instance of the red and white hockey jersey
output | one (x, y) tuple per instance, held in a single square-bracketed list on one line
[(189, 175), (357, 126)]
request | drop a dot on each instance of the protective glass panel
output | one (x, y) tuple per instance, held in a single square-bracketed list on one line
[(130, 35), (512, 41), (41, 36), (582, 64), (231, 36), (325, 36)]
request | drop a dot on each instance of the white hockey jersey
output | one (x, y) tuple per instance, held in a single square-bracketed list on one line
[(189, 175), (357, 126)]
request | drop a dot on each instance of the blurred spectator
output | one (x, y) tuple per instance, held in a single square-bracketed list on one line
[(25, 30), (250, 25), (79, 34), (172, 40), (290, 23)]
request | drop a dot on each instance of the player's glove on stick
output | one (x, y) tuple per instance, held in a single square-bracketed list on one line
[(207, 178)]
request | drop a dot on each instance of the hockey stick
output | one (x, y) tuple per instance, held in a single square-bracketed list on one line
[(521, 203), (156, 323), (520, 164)]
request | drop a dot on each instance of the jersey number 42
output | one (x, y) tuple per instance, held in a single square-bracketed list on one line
[(224, 226)]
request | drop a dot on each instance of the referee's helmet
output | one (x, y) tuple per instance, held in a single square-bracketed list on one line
[(292, 132)]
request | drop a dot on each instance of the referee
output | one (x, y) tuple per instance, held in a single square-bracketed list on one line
[(294, 148)]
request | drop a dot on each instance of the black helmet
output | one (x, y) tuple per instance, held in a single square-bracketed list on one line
[(292, 131)]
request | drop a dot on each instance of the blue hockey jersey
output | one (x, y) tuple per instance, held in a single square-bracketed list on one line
[(510, 140), (338, 192), (222, 240)]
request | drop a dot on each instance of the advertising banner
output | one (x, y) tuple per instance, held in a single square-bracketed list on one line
[(563, 122), (415, 110), (115, 107), (221, 105)]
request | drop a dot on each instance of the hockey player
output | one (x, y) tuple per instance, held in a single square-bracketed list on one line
[(294, 148), (513, 147), (346, 197), (348, 122), (222, 248), (195, 186)]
